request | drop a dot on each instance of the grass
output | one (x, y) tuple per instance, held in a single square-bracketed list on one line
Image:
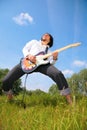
[(42, 114)]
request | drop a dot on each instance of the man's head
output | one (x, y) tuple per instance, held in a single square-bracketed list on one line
[(47, 39)]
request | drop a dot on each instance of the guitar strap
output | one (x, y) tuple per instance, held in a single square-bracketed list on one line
[(46, 50)]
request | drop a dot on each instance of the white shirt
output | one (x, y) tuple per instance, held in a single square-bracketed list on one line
[(34, 47)]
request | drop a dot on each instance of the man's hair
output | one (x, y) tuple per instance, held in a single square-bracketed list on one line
[(51, 39)]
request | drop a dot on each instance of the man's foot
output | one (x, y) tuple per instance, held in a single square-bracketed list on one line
[(9, 95), (69, 99)]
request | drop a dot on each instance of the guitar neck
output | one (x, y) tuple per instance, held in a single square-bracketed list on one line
[(61, 49)]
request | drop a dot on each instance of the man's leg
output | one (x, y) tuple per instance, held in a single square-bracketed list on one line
[(12, 76), (9, 79), (58, 78)]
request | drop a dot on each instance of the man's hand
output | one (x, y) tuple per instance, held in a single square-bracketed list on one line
[(55, 55), (31, 58)]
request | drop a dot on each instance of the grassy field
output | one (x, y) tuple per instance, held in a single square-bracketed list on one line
[(43, 112)]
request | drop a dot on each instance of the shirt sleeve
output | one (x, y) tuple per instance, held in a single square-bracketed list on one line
[(27, 48), (50, 59)]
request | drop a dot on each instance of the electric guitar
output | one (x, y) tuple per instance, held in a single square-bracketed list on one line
[(28, 66)]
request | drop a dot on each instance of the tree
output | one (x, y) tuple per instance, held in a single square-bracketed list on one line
[(78, 82), (16, 85), (83, 80), (53, 89), (74, 83), (2, 74)]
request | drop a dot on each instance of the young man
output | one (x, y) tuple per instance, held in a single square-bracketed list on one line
[(30, 51)]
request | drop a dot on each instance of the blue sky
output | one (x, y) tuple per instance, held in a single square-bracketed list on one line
[(24, 20)]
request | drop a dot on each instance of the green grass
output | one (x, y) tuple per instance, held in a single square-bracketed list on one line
[(42, 113)]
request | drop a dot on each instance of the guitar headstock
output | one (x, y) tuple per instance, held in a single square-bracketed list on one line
[(76, 44)]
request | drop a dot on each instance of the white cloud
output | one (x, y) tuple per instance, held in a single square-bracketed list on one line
[(79, 63), (23, 19), (68, 72)]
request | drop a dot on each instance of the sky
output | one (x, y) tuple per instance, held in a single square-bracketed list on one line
[(25, 20)]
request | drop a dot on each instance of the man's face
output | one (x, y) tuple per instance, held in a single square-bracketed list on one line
[(45, 39)]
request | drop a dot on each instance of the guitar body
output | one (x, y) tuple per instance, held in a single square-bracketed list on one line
[(28, 67)]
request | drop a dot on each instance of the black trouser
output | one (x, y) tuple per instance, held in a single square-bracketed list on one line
[(48, 70)]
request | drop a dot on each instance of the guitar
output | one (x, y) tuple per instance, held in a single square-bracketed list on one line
[(28, 66)]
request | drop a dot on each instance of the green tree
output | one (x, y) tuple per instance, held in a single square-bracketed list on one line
[(78, 82), (83, 80), (74, 83), (53, 89), (3, 72), (16, 85)]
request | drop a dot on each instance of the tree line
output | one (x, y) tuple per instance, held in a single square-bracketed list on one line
[(77, 83)]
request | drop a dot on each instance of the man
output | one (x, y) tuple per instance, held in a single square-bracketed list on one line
[(30, 51)]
